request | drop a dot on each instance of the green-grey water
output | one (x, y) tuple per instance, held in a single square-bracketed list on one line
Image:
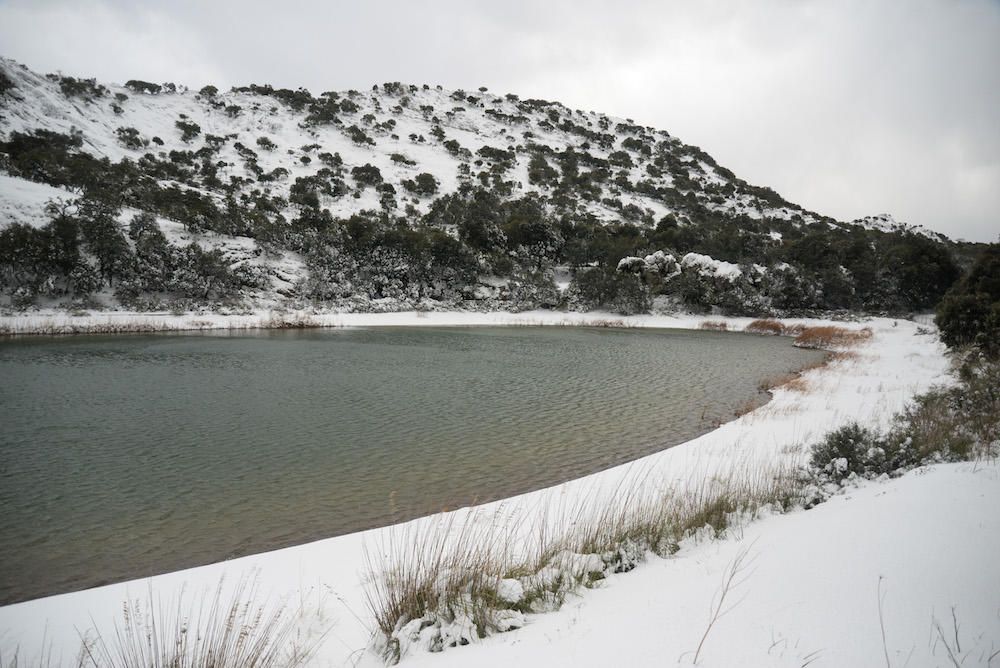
[(123, 457)]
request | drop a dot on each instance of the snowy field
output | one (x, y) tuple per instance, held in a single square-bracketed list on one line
[(806, 592)]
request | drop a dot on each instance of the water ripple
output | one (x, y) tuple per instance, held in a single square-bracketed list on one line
[(121, 457)]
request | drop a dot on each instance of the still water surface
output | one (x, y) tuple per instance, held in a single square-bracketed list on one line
[(123, 457)]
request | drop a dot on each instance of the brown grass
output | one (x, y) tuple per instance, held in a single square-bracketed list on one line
[(605, 322), (772, 382), (766, 326), (843, 356), (714, 325), (746, 407), (798, 384), (828, 336)]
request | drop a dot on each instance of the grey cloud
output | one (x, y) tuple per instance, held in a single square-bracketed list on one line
[(847, 107)]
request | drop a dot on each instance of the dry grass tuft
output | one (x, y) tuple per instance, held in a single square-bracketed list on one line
[(766, 326), (829, 336), (439, 583), (714, 325), (745, 407), (279, 320), (234, 631), (615, 323), (843, 356), (798, 384), (771, 382)]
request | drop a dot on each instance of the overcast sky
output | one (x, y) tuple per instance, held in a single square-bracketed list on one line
[(847, 107)]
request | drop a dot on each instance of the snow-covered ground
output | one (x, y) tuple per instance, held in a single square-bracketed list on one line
[(807, 593), (811, 589)]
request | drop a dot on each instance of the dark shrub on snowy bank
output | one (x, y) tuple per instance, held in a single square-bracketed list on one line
[(970, 311), (945, 424), (859, 451)]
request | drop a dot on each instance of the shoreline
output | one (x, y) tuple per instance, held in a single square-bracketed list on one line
[(896, 364), (63, 323)]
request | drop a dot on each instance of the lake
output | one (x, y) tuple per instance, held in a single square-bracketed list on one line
[(127, 456)]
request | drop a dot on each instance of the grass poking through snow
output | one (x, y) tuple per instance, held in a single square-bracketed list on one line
[(449, 581), (233, 631)]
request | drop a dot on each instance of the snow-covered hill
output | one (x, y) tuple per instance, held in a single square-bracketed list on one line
[(527, 189), (398, 120)]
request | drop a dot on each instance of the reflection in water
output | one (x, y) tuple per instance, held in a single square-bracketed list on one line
[(123, 457)]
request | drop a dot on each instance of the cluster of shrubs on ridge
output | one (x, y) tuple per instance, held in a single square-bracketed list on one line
[(482, 230)]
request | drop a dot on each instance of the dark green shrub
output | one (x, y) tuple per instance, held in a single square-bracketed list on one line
[(844, 451), (189, 130), (600, 288), (540, 172), (6, 83), (358, 136), (138, 86), (970, 311), (130, 138), (423, 184), (88, 89), (855, 450), (620, 159), (366, 175)]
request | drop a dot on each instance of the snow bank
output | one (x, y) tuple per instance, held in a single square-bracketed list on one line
[(809, 594)]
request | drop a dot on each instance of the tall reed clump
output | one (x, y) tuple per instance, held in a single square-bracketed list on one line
[(766, 326), (448, 581), (714, 325), (233, 631), (829, 336)]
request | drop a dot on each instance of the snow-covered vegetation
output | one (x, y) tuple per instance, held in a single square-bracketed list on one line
[(150, 196)]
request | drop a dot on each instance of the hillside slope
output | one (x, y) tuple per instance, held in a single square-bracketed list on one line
[(406, 196)]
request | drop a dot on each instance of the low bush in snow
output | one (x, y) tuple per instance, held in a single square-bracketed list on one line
[(945, 424)]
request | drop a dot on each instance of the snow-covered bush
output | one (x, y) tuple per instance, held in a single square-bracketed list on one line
[(856, 450)]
